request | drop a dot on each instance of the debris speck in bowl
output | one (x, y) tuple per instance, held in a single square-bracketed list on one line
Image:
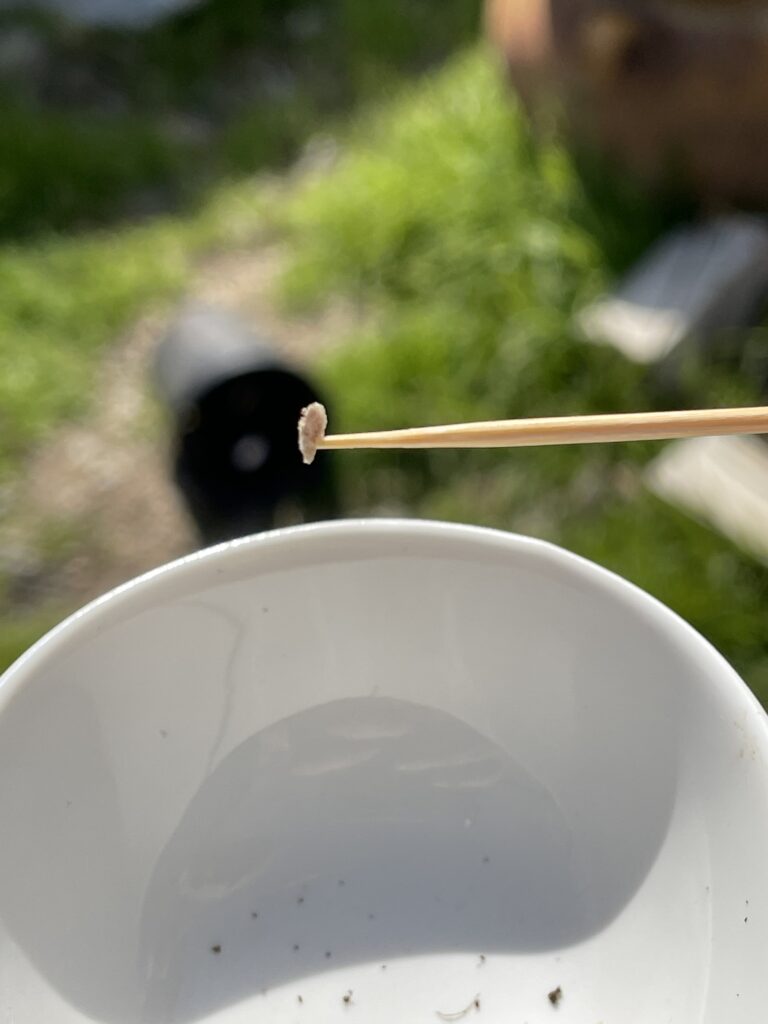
[(440, 740), (555, 996)]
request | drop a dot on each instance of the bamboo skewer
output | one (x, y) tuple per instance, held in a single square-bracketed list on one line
[(641, 426)]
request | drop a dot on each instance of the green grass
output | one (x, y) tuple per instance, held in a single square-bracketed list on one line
[(58, 170), (63, 300), (20, 631)]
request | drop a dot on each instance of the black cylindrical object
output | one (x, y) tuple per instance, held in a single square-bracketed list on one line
[(236, 407)]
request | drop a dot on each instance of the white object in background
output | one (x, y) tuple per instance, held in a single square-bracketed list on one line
[(696, 281), (132, 13), (418, 763), (722, 480)]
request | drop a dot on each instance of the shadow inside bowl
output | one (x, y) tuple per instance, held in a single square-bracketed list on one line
[(363, 829), (369, 829)]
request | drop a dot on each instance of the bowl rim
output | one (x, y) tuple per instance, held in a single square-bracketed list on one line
[(309, 539)]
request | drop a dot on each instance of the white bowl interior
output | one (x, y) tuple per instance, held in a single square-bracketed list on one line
[(422, 765)]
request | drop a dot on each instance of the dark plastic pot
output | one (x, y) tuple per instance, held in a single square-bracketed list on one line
[(235, 406)]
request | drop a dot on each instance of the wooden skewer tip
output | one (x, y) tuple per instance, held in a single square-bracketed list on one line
[(312, 426)]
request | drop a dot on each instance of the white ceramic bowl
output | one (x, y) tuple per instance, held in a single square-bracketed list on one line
[(418, 763)]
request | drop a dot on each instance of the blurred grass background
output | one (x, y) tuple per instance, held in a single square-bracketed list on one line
[(469, 245)]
